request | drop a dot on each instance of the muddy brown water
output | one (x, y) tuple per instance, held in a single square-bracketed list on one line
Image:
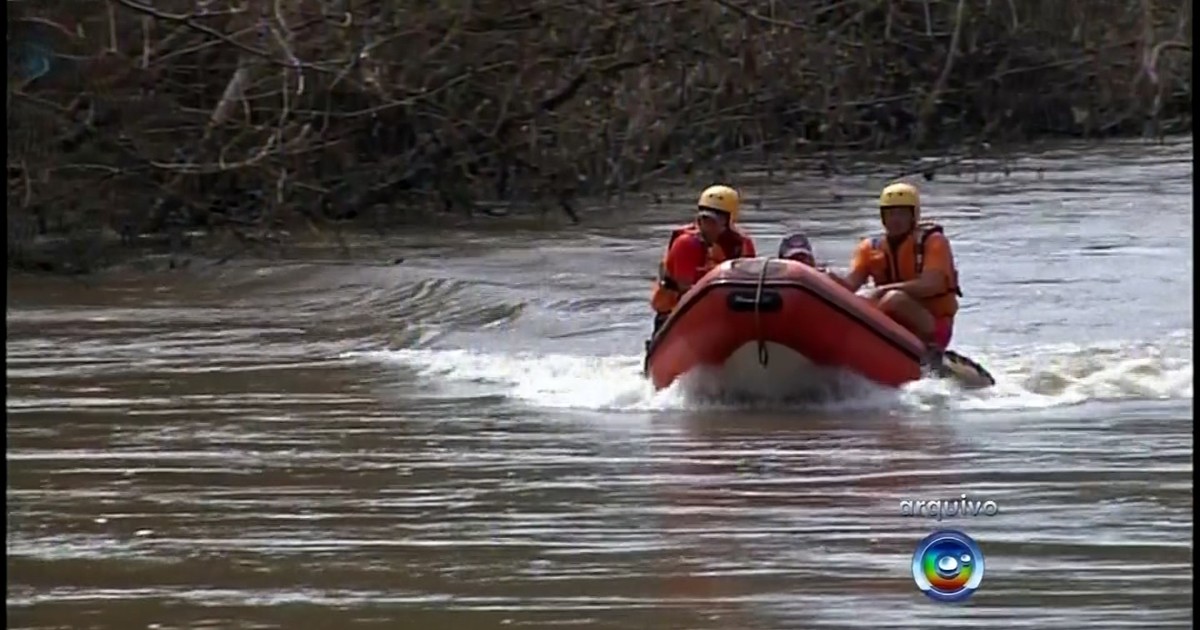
[(463, 440)]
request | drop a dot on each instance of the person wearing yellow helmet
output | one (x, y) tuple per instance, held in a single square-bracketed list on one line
[(912, 269), (696, 248)]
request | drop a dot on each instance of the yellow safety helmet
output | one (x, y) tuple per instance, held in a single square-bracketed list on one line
[(722, 199), (901, 194)]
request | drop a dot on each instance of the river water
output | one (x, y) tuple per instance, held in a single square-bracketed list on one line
[(463, 440)]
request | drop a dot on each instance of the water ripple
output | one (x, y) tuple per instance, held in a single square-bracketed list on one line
[(466, 441)]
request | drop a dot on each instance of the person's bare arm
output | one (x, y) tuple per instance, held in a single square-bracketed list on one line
[(859, 270)]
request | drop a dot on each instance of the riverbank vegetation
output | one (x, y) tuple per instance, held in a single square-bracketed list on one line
[(129, 120)]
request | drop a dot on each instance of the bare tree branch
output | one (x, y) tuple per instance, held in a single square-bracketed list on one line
[(134, 117)]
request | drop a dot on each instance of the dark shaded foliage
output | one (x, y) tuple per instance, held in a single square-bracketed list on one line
[(128, 118)]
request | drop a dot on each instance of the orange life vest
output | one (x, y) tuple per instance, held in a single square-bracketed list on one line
[(667, 291), (908, 262)]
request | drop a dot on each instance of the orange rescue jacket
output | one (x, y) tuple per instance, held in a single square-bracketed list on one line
[(907, 263), (667, 290)]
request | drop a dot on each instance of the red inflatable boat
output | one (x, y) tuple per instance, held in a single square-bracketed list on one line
[(758, 300)]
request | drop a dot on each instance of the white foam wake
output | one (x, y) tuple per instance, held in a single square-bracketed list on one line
[(1037, 377)]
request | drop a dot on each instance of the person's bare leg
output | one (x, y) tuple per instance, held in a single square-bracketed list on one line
[(909, 313), (915, 317)]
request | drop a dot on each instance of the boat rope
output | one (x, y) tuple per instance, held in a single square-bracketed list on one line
[(763, 356)]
